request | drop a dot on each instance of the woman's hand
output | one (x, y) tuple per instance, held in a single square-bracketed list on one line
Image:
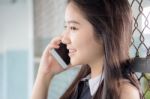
[(48, 65), (47, 69)]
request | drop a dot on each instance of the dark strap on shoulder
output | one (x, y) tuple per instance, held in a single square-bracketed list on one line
[(83, 91)]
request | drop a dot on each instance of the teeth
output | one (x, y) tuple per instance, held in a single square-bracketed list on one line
[(70, 51)]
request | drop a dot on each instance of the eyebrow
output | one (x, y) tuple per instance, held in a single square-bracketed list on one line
[(72, 21)]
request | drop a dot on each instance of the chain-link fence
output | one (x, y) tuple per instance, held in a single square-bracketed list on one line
[(140, 47)]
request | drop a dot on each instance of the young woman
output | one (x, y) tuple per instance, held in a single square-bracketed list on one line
[(97, 34)]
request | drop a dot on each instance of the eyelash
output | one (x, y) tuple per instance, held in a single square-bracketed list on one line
[(72, 28)]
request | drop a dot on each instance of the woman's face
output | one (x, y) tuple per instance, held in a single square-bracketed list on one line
[(79, 37)]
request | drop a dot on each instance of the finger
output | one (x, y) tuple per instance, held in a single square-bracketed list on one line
[(49, 48), (56, 40), (54, 43)]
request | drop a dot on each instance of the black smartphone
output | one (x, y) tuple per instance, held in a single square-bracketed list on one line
[(61, 55)]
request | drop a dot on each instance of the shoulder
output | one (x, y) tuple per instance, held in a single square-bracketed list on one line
[(128, 91)]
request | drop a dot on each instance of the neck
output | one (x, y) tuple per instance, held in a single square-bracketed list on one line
[(96, 68)]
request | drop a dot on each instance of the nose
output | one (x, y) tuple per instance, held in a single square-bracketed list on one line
[(65, 38)]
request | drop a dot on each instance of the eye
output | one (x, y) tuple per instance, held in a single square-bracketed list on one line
[(73, 28), (65, 27)]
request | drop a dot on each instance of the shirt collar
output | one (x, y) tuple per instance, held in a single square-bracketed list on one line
[(93, 82)]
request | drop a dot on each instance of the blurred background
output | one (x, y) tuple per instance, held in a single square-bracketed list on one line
[(27, 26)]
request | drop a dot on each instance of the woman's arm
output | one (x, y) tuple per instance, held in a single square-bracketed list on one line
[(40, 88), (47, 69)]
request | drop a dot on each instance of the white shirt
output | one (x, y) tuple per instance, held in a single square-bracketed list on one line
[(93, 83)]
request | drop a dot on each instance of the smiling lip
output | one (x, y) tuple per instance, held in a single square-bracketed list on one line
[(71, 52)]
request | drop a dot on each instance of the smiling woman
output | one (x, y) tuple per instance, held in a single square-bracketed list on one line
[(97, 34), (78, 33)]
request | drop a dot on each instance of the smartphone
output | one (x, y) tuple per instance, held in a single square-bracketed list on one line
[(61, 55)]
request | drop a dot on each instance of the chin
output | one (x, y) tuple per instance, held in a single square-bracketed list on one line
[(75, 62)]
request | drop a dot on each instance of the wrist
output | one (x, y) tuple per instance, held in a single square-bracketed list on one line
[(44, 72), (44, 78)]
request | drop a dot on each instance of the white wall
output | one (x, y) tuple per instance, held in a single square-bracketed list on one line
[(16, 50), (14, 23)]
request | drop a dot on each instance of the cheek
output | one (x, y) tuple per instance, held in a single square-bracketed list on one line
[(86, 48), (81, 43)]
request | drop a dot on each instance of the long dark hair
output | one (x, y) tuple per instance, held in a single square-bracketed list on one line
[(112, 22)]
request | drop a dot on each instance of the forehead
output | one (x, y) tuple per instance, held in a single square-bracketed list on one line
[(73, 14)]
